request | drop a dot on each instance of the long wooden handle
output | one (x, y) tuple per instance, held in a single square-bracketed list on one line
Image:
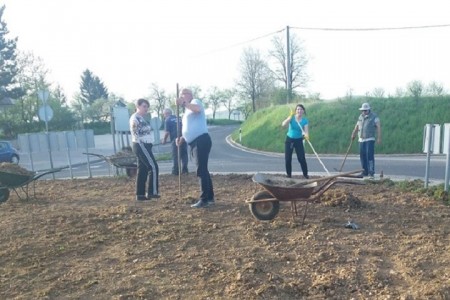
[(346, 154), (326, 178)]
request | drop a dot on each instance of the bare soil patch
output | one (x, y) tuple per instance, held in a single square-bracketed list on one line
[(89, 239)]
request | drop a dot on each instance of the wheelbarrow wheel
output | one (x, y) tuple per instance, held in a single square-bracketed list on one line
[(4, 194), (264, 210)]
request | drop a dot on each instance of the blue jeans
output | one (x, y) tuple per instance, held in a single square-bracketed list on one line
[(367, 157)]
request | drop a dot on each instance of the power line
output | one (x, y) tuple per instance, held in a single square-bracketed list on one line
[(238, 44), (372, 29), (322, 29)]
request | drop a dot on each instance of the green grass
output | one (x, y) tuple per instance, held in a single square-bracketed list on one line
[(331, 124)]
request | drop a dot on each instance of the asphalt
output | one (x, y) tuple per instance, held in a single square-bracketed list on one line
[(104, 145)]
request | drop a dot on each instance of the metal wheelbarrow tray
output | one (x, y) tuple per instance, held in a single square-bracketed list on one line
[(119, 161), (14, 181), (127, 161), (265, 205)]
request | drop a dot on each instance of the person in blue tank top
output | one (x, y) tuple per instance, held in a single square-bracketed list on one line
[(297, 132)]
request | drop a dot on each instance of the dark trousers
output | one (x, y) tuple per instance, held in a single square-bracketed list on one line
[(200, 149), (367, 157), (183, 158), (289, 146), (147, 170)]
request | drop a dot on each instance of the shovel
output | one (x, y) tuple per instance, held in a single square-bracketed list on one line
[(345, 157)]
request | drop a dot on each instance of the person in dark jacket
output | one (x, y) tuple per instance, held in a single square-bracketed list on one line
[(170, 126), (368, 128)]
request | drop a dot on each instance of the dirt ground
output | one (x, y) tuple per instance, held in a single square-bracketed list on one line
[(89, 239)]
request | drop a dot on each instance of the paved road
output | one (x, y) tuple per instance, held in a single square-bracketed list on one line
[(226, 157)]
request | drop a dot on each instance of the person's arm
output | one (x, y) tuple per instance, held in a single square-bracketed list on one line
[(378, 132), (166, 135), (306, 132), (189, 105), (288, 119), (133, 129)]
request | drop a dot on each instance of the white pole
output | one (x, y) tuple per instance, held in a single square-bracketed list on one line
[(428, 148), (447, 166)]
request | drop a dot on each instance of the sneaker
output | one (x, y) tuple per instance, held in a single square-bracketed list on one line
[(200, 204), (142, 198), (371, 177), (288, 176), (153, 196), (211, 202), (306, 176)]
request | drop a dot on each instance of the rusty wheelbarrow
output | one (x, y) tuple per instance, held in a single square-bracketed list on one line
[(265, 205), (121, 159)]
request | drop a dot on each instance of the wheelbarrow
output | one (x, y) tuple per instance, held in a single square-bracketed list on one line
[(265, 205), (120, 160), (13, 181)]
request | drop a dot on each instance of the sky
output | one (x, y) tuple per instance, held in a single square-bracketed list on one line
[(131, 44)]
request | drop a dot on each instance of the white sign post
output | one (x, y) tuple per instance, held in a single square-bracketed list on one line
[(46, 114)]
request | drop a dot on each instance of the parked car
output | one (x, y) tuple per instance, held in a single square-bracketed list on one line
[(8, 153)]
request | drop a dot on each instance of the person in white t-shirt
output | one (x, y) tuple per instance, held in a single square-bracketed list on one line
[(195, 134)]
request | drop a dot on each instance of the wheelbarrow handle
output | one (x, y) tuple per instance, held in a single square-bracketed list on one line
[(346, 174), (94, 154)]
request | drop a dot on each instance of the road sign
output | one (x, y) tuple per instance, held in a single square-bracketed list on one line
[(43, 95), (45, 113)]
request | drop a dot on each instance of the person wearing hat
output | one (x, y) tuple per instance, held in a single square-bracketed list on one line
[(368, 128)]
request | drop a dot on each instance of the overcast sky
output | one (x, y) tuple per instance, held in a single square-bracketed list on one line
[(131, 44)]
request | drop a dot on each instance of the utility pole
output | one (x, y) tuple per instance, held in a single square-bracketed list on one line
[(288, 67)]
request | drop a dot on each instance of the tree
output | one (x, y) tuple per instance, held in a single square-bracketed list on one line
[(435, 89), (255, 78), (9, 88), (60, 96), (415, 88), (298, 62), (215, 98), (91, 88), (31, 77), (378, 92), (158, 98), (229, 101)]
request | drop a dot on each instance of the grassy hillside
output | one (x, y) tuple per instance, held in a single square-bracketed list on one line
[(331, 124)]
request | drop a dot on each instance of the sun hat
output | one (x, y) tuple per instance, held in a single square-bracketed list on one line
[(365, 106)]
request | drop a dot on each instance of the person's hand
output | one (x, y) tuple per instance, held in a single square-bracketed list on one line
[(181, 101), (291, 113), (179, 141), (353, 136), (306, 137)]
